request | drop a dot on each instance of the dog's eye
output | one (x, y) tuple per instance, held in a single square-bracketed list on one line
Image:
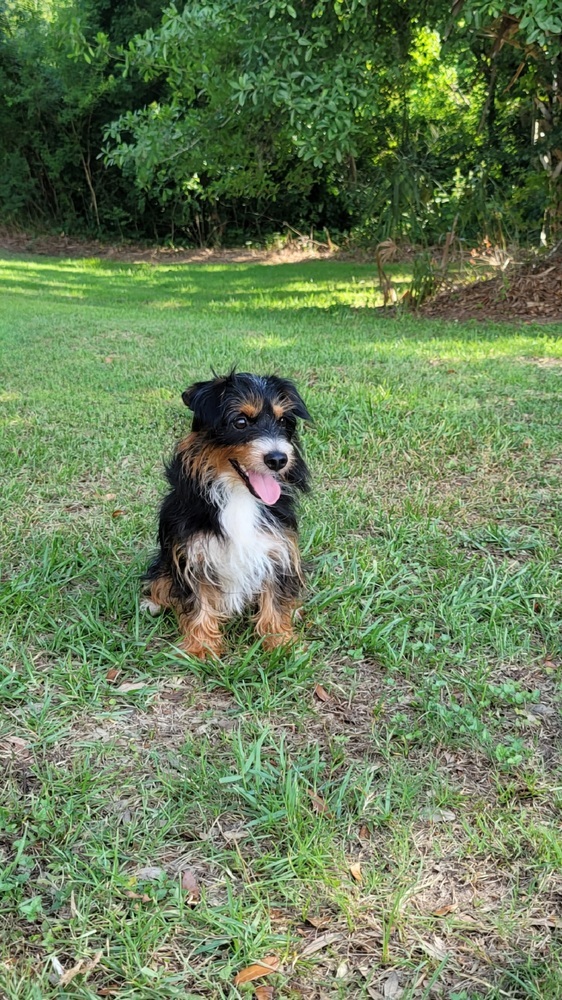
[(282, 421), (240, 423)]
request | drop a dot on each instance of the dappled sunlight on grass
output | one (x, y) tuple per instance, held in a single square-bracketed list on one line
[(232, 287)]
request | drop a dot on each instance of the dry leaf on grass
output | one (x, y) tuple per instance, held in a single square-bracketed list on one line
[(438, 815), (321, 693), (435, 949), (151, 873), (143, 896), (392, 988), (258, 969), (355, 871), (16, 745), (112, 673), (131, 686), (264, 992), (232, 836), (443, 910), (319, 943), (190, 884), (342, 970), (364, 833), (82, 967), (320, 922), (318, 803), (57, 967)]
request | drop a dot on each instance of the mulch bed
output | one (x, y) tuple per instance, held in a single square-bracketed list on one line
[(530, 292)]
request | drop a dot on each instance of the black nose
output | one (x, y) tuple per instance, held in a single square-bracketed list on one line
[(275, 460)]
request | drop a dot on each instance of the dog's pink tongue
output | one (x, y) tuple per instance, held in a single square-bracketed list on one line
[(266, 487)]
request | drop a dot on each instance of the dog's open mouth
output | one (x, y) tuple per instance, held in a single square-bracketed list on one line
[(263, 487)]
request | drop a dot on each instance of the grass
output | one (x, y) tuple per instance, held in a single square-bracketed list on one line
[(378, 809)]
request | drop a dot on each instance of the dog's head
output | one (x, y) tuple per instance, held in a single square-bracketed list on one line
[(251, 421)]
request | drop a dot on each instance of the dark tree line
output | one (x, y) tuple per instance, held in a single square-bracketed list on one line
[(223, 121)]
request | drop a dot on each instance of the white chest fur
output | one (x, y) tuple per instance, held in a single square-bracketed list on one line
[(248, 552)]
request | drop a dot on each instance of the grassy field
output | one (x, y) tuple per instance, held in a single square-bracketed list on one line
[(375, 814)]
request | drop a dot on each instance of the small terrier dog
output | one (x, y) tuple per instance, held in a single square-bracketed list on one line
[(228, 527)]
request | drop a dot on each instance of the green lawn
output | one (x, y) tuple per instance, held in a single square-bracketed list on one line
[(378, 809)]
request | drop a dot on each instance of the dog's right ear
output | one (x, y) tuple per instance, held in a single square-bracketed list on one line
[(201, 399)]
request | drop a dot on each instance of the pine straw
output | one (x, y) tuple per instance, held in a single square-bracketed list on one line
[(531, 292)]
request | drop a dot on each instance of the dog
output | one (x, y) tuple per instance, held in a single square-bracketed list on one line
[(228, 526)]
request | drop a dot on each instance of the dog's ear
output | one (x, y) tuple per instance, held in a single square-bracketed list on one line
[(201, 398), (289, 391)]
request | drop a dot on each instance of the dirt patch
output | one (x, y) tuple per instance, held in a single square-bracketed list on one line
[(293, 252), (530, 292)]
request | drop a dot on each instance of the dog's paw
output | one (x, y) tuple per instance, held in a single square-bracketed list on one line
[(147, 605), (201, 652)]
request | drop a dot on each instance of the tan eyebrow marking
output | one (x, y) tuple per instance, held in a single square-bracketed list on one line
[(251, 410)]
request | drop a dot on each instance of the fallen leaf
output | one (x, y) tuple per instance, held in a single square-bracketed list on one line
[(151, 873), (449, 908), (355, 870), (109, 496), (82, 967), (321, 693), (15, 747), (258, 969), (438, 815), (319, 922), (364, 833), (109, 359), (131, 686), (144, 898), (109, 991), (435, 949), (231, 836), (264, 992), (318, 803), (74, 912), (342, 970), (319, 943), (392, 988), (57, 967), (190, 884), (118, 513), (112, 673)]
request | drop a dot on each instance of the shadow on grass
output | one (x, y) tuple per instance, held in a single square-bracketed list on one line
[(310, 291)]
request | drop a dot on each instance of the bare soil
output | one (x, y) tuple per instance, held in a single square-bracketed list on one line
[(68, 246)]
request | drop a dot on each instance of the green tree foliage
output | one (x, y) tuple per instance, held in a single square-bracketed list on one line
[(225, 118), (56, 101)]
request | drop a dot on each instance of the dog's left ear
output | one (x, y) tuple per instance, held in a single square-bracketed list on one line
[(289, 390), (201, 399)]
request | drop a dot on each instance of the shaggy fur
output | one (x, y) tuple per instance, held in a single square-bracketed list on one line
[(228, 526)]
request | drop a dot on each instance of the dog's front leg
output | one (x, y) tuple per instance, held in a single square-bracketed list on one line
[(200, 624), (274, 620)]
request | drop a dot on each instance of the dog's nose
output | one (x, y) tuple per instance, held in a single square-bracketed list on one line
[(275, 460)]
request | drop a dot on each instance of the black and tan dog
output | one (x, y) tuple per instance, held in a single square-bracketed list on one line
[(228, 527)]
